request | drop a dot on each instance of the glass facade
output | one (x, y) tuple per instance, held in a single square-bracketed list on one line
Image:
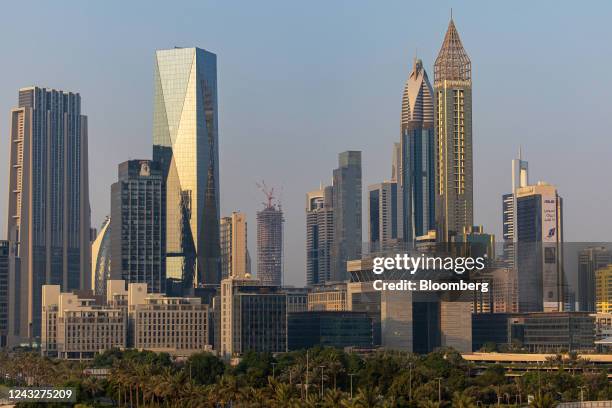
[(185, 143), (329, 329)]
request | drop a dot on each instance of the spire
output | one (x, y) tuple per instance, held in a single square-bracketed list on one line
[(452, 62)]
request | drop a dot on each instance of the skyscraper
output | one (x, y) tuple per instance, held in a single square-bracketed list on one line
[(347, 213), (270, 244), (101, 259), (4, 291), (319, 235), (539, 236), (418, 160), (385, 215), (453, 130), (185, 143), (137, 225), (48, 210), (235, 259), (589, 261), (520, 178)]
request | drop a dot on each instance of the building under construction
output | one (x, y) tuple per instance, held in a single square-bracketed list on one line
[(270, 241)]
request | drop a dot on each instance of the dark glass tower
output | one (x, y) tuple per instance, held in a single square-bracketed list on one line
[(417, 175), (49, 215), (137, 225), (185, 143), (347, 213)]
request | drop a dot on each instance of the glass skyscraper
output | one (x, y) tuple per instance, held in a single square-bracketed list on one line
[(417, 175), (48, 212), (185, 143), (137, 225)]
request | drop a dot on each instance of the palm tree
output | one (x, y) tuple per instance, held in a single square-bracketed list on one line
[(461, 400), (430, 404), (368, 397), (543, 401), (333, 398)]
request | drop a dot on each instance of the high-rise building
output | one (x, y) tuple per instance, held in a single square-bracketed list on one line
[(385, 216), (520, 178), (101, 259), (270, 244), (235, 259), (347, 213), (319, 235), (253, 317), (539, 236), (453, 131), (418, 160), (603, 289), (589, 261), (4, 291), (48, 209), (185, 143), (137, 225)]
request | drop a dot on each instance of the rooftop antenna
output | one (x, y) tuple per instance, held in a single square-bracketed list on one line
[(451, 13), (520, 152)]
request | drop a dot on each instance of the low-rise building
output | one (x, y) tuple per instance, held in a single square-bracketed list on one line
[(329, 329), (79, 325), (327, 297), (559, 331)]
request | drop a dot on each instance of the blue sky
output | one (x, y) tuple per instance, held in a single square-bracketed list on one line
[(301, 81)]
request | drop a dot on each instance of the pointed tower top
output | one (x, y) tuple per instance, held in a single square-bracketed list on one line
[(452, 62)]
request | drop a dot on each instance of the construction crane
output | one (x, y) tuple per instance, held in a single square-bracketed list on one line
[(268, 192)]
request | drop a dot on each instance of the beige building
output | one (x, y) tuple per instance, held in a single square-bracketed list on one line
[(77, 326), (603, 290), (327, 297), (235, 259), (159, 323)]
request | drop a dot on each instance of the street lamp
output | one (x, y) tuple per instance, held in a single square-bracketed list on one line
[(351, 375), (582, 387), (439, 389), (273, 370), (321, 367)]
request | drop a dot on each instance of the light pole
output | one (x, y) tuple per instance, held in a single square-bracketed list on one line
[(582, 387), (351, 375), (439, 389), (273, 370), (321, 367), (410, 382)]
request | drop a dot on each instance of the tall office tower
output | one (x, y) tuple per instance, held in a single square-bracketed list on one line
[(270, 244), (347, 213), (539, 234), (396, 162), (235, 259), (48, 210), (520, 178), (4, 291), (453, 130), (185, 143), (101, 259), (418, 160), (589, 261), (319, 235), (385, 220), (137, 225)]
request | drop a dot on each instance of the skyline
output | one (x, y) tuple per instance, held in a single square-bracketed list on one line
[(339, 112)]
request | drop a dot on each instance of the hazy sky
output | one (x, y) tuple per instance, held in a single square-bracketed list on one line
[(300, 82)]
